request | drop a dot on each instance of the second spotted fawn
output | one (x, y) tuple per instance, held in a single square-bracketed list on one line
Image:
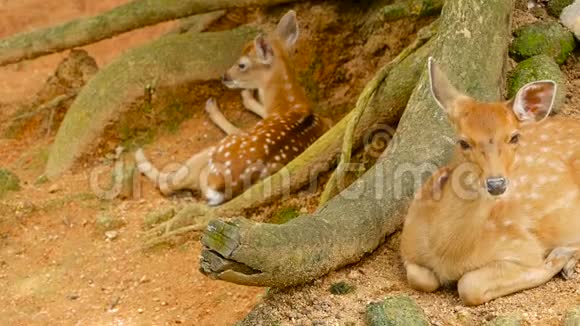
[(504, 216), (243, 157)]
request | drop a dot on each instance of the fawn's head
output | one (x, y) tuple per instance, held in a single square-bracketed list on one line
[(488, 133), (263, 56)]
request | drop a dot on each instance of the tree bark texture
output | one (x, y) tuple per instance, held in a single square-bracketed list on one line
[(384, 109), (471, 46), (171, 60), (133, 15)]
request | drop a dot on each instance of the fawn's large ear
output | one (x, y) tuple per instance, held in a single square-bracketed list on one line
[(264, 50), (444, 93), (534, 101), (288, 30)]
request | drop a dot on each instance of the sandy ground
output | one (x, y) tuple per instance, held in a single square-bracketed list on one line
[(56, 267)]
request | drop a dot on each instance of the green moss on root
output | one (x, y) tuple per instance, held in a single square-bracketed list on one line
[(284, 215)]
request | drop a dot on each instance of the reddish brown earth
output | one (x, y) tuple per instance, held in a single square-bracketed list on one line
[(55, 267)]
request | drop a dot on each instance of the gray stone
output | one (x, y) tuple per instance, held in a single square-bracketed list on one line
[(570, 17), (397, 310)]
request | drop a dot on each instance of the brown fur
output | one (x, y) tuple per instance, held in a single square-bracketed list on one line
[(243, 157), (240, 160), (496, 245)]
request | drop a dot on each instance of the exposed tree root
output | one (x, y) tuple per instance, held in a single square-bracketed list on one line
[(133, 15), (192, 218), (385, 108), (60, 88), (197, 23), (171, 60), (356, 222), (402, 9), (411, 8), (55, 102), (362, 103)]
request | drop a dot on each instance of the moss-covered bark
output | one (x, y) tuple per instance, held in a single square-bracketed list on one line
[(411, 8), (133, 15), (385, 108), (365, 98), (348, 227), (171, 60)]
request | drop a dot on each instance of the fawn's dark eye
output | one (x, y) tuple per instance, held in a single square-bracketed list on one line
[(242, 66), (515, 138), (464, 144)]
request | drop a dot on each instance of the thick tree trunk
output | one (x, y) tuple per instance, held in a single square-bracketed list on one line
[(471, 44), (136, 14)]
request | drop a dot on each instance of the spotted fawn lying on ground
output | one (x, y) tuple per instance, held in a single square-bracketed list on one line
[(504, 216), (243, 157)]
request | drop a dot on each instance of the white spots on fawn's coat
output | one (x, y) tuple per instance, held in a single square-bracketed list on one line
[(534, 196)]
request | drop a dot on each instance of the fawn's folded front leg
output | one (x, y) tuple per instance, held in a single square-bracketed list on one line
[(217, 117), (252, 104), (421, 278), (507, 277)]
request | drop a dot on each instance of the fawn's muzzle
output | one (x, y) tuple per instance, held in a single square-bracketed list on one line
[(226, 78), (496, 186)]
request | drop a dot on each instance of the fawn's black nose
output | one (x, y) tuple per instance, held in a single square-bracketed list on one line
[(226, 78), (496, 185)]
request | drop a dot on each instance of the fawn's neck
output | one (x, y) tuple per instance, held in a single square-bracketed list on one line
[(468, 204), (284, 93)]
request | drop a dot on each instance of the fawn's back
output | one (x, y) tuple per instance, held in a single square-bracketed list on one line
[(239, 160)]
